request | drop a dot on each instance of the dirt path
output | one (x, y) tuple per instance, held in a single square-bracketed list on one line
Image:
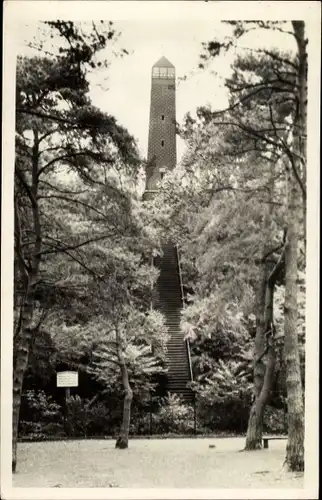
[(170, 463)]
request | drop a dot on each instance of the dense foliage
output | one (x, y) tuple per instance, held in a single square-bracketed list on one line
[(83, 276), (231, 204)]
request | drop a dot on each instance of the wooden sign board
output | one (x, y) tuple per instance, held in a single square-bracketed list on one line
[(67, 379)]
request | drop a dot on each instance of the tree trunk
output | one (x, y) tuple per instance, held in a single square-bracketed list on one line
[(295, 406), (295, 445), (300, 123), (263, 386), (24, 332), (259, 366), (255, 422), (21, 354), (123, 438), (263, 372)]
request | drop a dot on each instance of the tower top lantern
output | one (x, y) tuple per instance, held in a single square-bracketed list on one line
[(163, 63), (163, 68)]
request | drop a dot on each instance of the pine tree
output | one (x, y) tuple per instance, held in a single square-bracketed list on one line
[(59, 136), (282, 97)]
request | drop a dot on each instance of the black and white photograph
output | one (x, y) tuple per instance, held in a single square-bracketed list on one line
[(160, 236)]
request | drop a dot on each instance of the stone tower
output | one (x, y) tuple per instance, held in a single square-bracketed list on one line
[(162, 129)]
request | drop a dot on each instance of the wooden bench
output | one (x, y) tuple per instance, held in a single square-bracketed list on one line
[(266, 439)]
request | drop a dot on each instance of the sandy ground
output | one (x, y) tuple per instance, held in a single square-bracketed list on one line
[(169, 463)]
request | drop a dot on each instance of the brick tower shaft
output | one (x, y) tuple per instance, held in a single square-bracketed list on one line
[(162, 128)]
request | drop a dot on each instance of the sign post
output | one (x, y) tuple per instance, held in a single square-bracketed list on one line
[(67, 394), (67, 379)]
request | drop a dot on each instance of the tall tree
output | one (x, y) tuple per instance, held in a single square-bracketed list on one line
[(295, 444), (60, 137), (282, 88)]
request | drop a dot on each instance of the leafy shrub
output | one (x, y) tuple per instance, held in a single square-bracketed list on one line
[(40, 430), (174, 416), (224, 398), (41, 406), (215, 329), (30, 428), (222, 358), (100, 420), (77, 420), (141, 419), (91, 420), (42, 416), (275, 421)]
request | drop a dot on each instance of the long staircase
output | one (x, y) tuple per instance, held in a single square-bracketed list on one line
[(170, 304)]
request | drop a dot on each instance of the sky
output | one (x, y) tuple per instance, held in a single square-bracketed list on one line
[(123, 89)]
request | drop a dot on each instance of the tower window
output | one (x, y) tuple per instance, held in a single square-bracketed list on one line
[(162, 143), (162, 117), (167, 73), (155, 72)]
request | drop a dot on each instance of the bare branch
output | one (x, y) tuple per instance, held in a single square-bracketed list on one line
[(71, 200), (28, 190), (44, 115), (67, 157), (65, 191), (18, 247), (74, 247), (80, 263)]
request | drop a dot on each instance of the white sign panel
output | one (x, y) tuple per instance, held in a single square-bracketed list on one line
[(67, 379)]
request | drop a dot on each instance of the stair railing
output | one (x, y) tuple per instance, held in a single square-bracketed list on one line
[(152, 285), (183, 305)]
